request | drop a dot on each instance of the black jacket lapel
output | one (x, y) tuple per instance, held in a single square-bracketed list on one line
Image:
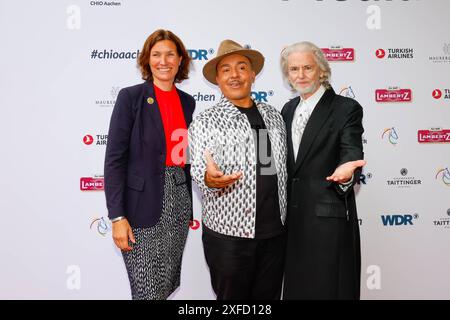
[(288, 118), (152, 113), (315, 123)]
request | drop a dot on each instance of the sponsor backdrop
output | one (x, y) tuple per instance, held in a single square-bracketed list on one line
[(63, 63)]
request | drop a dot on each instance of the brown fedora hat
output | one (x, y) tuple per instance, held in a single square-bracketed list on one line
[(226, 48)]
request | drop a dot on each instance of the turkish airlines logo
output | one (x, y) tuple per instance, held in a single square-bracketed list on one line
[(341, 54), (395, 53), (194, 224), (99, 140), (437, 94), (380, 53), (441, 93), (88, 139), (433, 136), (91, 184), (396, 95)]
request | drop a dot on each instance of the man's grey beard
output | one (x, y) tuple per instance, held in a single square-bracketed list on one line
[(311, 89)]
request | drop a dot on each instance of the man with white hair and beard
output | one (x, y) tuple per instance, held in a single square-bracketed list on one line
[(324, 132)]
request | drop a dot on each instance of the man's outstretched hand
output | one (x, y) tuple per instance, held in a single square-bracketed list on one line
[(344, 172), (214, 177)]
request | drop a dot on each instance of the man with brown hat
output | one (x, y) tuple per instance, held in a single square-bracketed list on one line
[(238, 159)]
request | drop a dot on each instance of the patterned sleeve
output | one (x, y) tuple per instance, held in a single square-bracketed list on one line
[(198, 138)]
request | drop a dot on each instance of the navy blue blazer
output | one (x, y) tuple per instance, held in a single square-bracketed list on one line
[(136, 155)]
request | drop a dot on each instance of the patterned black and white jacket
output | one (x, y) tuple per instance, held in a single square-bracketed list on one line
[(226, 133)]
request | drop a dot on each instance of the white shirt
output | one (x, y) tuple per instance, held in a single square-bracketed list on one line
[(304, 109), (302, 113)]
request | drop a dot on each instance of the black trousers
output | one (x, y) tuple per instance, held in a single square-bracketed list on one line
[(243, 269)]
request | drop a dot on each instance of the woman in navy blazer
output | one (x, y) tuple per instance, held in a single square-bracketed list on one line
[(147, 181)]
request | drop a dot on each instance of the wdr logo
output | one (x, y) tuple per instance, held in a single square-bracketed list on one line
[(200, 54), (261, 96), (398, 219), (364, 177)]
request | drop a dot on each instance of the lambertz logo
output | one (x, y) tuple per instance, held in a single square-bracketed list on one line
[(347, 92), (443, 222), (438, 94), (433, 135), (200, 54), (445, 58), (92, 183), (444, 175), (108, 101), (261, 96), (102, 225), (391, 135), (338, 53), (395, 53), (404, 181), (398, 219), (100, 139), (393, 94)]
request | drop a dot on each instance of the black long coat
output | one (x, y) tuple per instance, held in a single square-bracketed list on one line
[(323, 259)]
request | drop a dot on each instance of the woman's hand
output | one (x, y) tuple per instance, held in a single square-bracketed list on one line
[(121, 233)]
